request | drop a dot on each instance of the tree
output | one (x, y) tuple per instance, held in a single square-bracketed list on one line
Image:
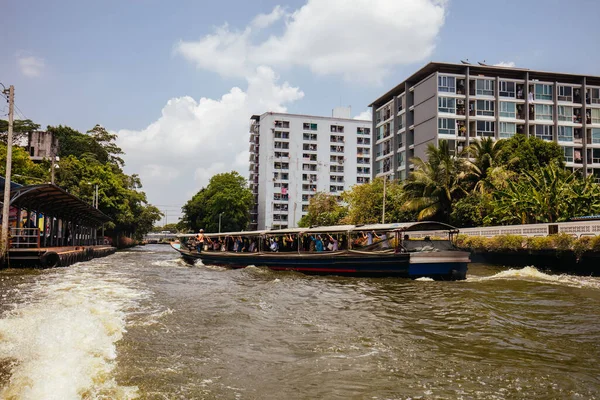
[(550, 194), (24, 171), (106, 141), (522, 154), (20, 128), (437, 183), (323, 210), (485, 155), (226, 194), (365, 203)]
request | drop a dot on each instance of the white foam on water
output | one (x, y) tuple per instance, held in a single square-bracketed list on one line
[(533, 274), (61, 340), (424, 279)]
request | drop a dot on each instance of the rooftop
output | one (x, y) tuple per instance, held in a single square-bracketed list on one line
[(258, 117), (483, 69)]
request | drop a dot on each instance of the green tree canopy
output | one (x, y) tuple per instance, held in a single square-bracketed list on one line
[(523, 154), (323, 210), (20, 128), (226, 194), (365, 203), (437, 183)]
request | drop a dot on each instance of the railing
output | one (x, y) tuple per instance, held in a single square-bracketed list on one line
[(24, 238)]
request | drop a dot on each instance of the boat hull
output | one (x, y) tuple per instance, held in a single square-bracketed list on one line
[(343, 263)]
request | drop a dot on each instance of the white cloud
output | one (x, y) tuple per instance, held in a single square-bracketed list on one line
[(366, 115), (193, 140), (508, 64), (30, 65), (262, 21), (359, 39)]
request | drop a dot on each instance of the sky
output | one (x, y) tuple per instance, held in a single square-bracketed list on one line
[(178, 81)]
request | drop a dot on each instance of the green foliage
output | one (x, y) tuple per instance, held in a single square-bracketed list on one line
[(365, 203), (23, 171), (471, 210), (437, 183), (505, 243), (525, 154), (323, 210), (226, 194), (20, 129), (550, 194)]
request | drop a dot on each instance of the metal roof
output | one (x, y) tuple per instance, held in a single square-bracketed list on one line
[(53, 201)]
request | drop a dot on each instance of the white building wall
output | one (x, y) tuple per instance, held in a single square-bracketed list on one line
[(269, 187)]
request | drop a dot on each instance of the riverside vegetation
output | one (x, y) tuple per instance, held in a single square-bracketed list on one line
[(86, 160)]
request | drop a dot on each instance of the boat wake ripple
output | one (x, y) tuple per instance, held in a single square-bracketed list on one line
[(60, 342), (534, 275)]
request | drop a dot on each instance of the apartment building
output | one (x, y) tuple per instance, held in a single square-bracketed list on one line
[(462, 103), (292, 157)]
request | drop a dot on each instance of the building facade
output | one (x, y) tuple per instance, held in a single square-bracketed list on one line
[(292, 157), (462, 103)]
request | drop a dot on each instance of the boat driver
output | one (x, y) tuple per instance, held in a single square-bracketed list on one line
[(200, 240)]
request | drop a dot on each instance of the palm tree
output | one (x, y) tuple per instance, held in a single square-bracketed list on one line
[(485, 155), (436, 183)]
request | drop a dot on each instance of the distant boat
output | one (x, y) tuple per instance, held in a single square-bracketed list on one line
[(411, 250)]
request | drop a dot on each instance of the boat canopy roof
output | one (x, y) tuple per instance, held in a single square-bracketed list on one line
[(400, 227)]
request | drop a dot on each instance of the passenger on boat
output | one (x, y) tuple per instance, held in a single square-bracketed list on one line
[(334, 243), (274, 245), (318, 243)]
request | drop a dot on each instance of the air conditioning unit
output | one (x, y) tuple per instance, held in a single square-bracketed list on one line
[(460, 101)]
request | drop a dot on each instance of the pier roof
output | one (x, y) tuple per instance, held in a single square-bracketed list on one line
[(53, 201)]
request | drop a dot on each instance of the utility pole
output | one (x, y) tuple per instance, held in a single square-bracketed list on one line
[(6, 205), (383, 210)]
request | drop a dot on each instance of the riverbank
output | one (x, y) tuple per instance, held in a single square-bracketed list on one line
[(560, 252)]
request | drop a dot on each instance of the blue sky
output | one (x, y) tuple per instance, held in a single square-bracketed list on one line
[(141, 68)]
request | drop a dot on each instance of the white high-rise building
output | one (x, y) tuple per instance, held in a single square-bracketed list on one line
[(292, 157)]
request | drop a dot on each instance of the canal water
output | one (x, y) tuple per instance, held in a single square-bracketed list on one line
[(144, 324)]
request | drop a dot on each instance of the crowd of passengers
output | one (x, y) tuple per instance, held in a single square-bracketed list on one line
[(290, 242)]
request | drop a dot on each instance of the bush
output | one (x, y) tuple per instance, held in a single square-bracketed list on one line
[(476, 243), (582, 245), (595, 243), (539, 243), (563, 241), (506, 243)]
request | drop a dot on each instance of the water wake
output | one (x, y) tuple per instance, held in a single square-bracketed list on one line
[(534, 275), (61, 341)]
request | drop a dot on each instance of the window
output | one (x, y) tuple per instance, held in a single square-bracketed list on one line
[(309, 136), (281, 145), (282, 124), (401, 141), (595, 115), (544, 132), (336, 139), (309, 157), (595, 136), (508, 110), (507, 130), (282, 135), (485, 128), (565, 113), (401, 159), (485, 108), (360, 140), (307, 126), (401, 122), (447, 84), (593, 96), (568, 152), (507, 89), (309, 147), (565, 134), (447, 105), (337, 128), (543, 112), (565, 93), (336, 149), (281, 165), (362, 179), (543, 92), (484, 87), (363, 131), (446, 126), (280, 154)]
